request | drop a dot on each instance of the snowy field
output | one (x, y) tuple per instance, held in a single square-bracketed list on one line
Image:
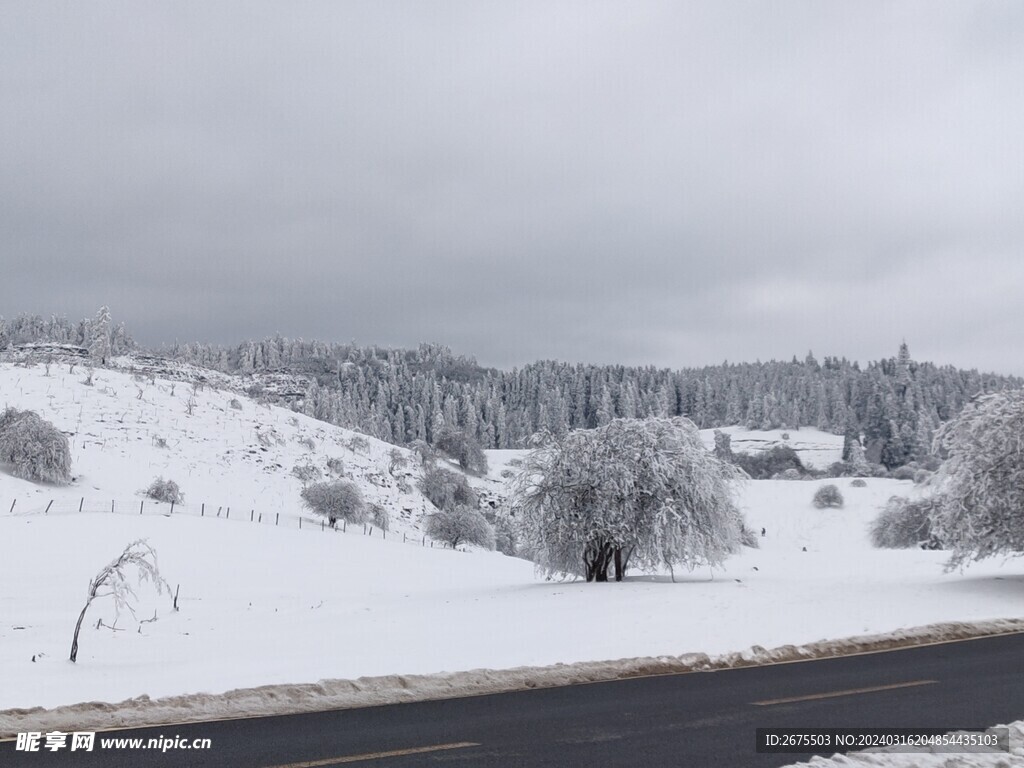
[(263, 604)]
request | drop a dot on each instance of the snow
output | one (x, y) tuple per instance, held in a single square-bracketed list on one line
[(815, 448), (291, 619)]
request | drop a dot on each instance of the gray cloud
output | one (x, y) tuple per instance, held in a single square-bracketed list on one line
[(659, 183)]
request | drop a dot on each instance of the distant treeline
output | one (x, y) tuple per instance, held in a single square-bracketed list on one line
[(401, 395)]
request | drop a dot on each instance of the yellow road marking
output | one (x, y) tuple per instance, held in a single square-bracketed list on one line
[(378, 755), (849, 692)]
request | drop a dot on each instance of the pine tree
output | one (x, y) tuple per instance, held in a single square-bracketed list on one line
[(99, 336)]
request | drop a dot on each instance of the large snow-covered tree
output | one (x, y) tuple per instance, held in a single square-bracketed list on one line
[(644, 492), (981, 506)]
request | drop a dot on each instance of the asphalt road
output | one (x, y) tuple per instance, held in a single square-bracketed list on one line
[(697, 719)]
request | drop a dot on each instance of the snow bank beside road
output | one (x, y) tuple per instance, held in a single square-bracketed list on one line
[(395, 689)]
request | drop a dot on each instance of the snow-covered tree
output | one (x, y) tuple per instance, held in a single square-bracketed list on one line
[(981, 509), (35, 448), (99, 336), (461, 525), (138, 556), (463, 448), (336, 500), (640, 491)]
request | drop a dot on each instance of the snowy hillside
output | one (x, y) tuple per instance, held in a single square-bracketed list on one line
[(264, 604), (222, 448)]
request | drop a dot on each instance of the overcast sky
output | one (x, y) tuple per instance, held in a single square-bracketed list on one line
[(665, 183)]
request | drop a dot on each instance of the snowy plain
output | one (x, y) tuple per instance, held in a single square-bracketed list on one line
[(273, 605)]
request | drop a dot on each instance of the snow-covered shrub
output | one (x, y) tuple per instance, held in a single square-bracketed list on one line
[(165, 490), (723, 446), (785, 435), (902, 473), (982, 481), (922, 476), (463, 448), (235, 404), (788, 474), (307, 442), (424, 451), (504, 533), (904, 524), (35, 448), (645, 490), (358, 444), (336, 500), (858, 483), (307, 473), (828, 496), (380, 517), (460, 525), (447, 490), (762, 466), (336, 465), (396, 460), (159, 442)]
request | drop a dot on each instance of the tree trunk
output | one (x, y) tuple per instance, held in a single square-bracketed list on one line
[(619, 572), (78, 627)]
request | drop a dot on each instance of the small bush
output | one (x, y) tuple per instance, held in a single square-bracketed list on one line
[(235, 404), (840, 469), (828, 496), (307, 443), (358, 444), (307, 473), (35, 448), (858, 483), (785, 435), (380, 517), (902, 473), (789, 474), (336, 500), (159, 442), (446, 490), (336, 465), (166, 491), (904, 524), (461, 525)]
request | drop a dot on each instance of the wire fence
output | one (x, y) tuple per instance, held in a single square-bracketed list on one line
[(152, 507)]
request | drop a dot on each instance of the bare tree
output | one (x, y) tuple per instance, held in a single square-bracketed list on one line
[(141, 557)]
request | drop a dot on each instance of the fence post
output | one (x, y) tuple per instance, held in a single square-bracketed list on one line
[(48, 506), (403, 537), (79, 504), (140, 505), (300, 522), (424, 542), (261, 518), (227, 515), (111, 506), (252, 514), (344, 526), (172, 507), (12, 505), (202, 510), (218, 511), (277, 518)]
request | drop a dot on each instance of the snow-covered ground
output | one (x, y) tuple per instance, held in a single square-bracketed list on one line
[(264, 604)]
